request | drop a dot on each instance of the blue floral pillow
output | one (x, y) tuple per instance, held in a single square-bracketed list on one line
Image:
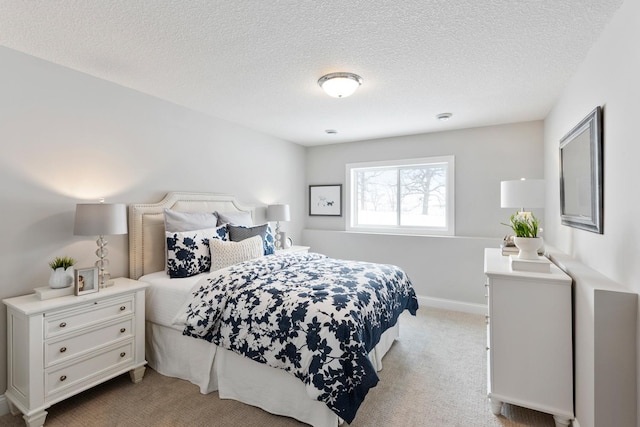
[(269, 242), (188, 252), (238, 233)]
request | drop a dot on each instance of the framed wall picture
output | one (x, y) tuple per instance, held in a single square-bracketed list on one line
[(325, 200), (86, 280), (581, 201)]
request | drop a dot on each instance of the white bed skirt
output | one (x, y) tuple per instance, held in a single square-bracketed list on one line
[(172, 354), (236, 377)]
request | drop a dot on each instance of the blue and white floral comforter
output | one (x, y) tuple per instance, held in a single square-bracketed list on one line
[(315, 317)]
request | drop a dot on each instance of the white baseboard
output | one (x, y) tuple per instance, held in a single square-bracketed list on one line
[(4, 406), (447, 304)]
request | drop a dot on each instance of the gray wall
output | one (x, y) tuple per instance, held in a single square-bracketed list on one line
[(442, 268), (608, 77), (68, 138)]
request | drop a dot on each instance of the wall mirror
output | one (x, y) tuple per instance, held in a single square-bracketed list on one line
[(581, 174)]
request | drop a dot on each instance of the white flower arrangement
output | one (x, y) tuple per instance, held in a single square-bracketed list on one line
[(524, 224)]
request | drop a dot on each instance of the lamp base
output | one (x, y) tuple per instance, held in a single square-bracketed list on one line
[(278, 237), (107, 284), (104, 277)]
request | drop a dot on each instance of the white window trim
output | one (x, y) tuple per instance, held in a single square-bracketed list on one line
[(448, 231)]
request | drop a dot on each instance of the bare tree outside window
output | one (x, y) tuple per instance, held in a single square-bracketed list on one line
[(423, 195), (377, 194)]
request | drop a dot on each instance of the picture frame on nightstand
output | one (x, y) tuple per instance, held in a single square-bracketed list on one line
[(86, 280)]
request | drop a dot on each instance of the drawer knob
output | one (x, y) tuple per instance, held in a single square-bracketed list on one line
[(122, 330), (63, 377), (123, 354), (63, 324), (63, 349), (123, 308)]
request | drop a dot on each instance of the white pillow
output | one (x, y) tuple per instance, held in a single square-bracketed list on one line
[(224, 254), (235, 218), (189, 221)]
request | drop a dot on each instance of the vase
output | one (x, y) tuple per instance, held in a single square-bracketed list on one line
[(61, 278), (528, 246), (285, 241)]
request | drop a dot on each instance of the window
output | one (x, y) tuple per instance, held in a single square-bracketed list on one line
[(403, 196)]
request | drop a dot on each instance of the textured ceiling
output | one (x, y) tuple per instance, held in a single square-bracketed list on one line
[(257, 62)]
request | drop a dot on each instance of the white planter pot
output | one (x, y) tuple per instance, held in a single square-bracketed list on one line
[(61, 278), (528, 246)]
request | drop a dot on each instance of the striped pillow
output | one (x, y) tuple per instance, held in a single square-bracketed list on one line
[(238, 233)]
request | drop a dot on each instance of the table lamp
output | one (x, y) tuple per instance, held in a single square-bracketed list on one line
[(101, 219), (278, 213)]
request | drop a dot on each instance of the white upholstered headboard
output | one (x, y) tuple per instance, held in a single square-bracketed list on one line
[(146, 226)]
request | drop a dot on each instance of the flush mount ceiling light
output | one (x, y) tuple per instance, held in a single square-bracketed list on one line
[(340, 85), (444, 117)]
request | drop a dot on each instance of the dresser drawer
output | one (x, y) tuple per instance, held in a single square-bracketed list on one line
[(89, 314), (84, 341), (66, 379)]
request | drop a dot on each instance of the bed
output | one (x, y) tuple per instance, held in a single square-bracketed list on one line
[(170, 306)]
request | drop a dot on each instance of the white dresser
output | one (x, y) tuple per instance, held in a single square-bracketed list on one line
[(529, 338), (62, 346)]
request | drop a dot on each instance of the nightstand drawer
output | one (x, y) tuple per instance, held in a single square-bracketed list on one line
[(59, 350), (89, 314), (59, 380)]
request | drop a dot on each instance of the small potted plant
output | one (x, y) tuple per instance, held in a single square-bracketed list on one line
[(525, 225), (62, 274)]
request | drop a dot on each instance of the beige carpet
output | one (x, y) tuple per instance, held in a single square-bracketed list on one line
[(434, 375)]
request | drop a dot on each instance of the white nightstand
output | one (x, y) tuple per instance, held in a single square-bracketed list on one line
[(59, 347), (294, 248)]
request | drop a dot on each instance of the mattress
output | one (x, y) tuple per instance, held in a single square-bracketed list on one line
[(165, 297)]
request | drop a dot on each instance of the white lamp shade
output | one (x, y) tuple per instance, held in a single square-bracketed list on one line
[(522, 193), (100, 219), (278, 213)]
